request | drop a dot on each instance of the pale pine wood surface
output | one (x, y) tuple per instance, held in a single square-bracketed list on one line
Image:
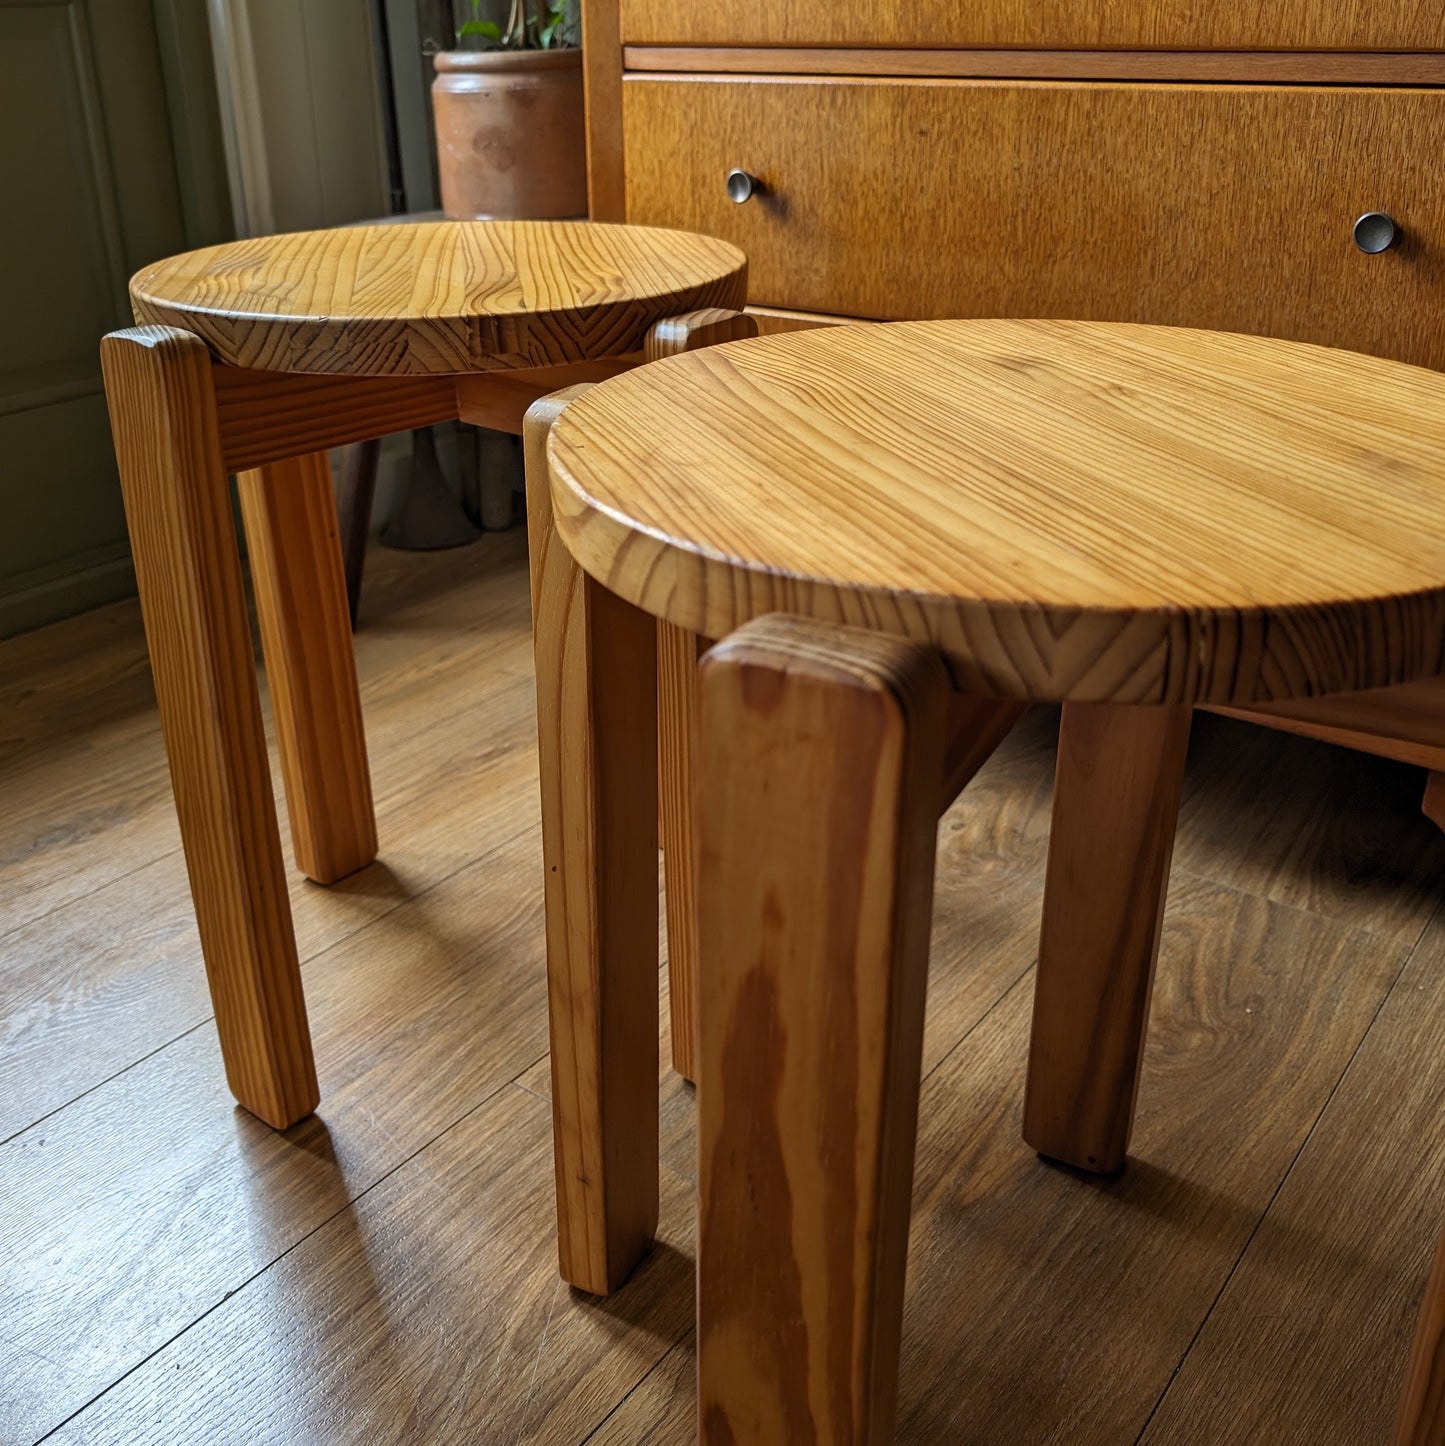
[(299, 586), (677, 660), (596, 662), (389, 1269), (440, 297), (271, 417), (810, 1038), (183, 542), (1068, 510), (1116, 804)]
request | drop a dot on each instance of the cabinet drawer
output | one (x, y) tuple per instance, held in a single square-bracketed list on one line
[(1086, 24), (1214, 206)]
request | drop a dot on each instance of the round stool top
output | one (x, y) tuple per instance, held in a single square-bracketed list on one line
[(440, 297), (1065, 509)]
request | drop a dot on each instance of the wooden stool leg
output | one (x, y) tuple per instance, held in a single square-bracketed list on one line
[(678, 652), (163, 415), (1116, 801), (1421, 1420), (296, 571), (821, 764), (597, 733)]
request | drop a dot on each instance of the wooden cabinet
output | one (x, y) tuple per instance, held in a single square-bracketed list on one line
[(1120, 24), (1225, 207), (1145, 160)]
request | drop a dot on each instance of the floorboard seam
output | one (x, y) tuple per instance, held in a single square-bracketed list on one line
[(101, 1083), (526, 1089), (88, 894), (632, 1390), (672, 1345), (236, 1290), (1289, 1170), (305, 964), (973, 1028)]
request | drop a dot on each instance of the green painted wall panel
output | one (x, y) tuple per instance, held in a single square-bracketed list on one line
[(111, 155), (88, 171)]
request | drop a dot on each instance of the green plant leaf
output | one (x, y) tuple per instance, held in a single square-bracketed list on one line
[(487, 28)]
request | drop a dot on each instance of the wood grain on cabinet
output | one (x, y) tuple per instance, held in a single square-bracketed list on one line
[(1224, 207), (1085, 24), (602, 91), (1260, 67)]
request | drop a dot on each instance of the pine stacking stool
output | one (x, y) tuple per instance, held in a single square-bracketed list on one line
[(254, 358), (902, 535)]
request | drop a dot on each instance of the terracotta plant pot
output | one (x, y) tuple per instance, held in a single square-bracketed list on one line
[(511, 143)]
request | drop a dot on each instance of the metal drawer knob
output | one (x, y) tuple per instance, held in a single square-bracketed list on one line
[(1375, 232), (742, 187)]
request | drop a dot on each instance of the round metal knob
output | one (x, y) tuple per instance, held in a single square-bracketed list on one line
[(741, 186), (1375, 232)]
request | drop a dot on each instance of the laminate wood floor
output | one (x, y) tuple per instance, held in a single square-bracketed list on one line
[(173, 1271)]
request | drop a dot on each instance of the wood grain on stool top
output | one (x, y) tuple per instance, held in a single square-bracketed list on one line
[(1091, 24), (1068, 510), (441, 297)]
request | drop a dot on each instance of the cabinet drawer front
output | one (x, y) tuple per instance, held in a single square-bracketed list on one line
[(1088, 24), (1210, 206)]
